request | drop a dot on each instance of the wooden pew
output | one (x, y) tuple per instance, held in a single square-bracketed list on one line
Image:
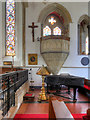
[(87, 117), (58, 110)]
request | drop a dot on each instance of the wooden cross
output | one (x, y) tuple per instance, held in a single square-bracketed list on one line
[(33, 29)]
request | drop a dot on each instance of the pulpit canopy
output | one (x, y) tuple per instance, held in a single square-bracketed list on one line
[(42, 71)]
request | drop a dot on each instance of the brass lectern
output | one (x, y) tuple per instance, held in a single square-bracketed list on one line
[(42, 71)]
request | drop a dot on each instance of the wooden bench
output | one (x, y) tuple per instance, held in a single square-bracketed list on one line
[(58, 110), (87, 117)]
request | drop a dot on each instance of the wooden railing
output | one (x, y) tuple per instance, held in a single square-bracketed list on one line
[(9, 84)]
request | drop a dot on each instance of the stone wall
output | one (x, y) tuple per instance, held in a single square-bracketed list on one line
[(20, 93)]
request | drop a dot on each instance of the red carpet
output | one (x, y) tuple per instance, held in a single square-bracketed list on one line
[(87, 87), (78, 116), (17, 116), (30, 116), (28, 95)]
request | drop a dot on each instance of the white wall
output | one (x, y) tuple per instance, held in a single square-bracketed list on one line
[(19, 32), (73, 62), (32, 14), (1, 34), (36, 78), (76, 10)]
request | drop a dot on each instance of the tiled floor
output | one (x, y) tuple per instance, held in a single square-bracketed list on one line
[(80, 106), (34, 108)]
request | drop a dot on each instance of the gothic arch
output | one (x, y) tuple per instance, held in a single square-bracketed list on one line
[(83, 23), (61, 10), (83, 17)]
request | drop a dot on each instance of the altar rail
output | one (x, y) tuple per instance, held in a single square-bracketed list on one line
[(9, 84)]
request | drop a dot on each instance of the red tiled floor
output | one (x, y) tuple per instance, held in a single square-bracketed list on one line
[(34, 108), (77, 108), (43, 108)]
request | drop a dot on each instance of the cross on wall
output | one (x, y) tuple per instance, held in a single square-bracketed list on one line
[(33, 26)]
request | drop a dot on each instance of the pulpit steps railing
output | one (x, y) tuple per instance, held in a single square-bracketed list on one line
[(9, 84)]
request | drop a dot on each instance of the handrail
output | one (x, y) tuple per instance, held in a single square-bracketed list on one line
[(10, 83)]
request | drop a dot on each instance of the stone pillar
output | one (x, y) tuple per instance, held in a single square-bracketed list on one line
[(23, 41), (89, 37), (25, 4), (1, 35), (79, 42)]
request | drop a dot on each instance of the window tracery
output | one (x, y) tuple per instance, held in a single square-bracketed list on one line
[(56, 31), (10, 27), (46, 31), (52, 20), (55, 23)]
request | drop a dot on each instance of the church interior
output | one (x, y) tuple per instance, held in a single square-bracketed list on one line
[(44, 59)]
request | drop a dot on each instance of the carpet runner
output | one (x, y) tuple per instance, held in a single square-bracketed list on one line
[(87, 87), (19, 116), (43, 116), (78, 116)]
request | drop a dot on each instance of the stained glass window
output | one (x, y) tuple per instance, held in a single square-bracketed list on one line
[(52, 20), (46, 31), (10, 27), (56, 31), (87, 45)]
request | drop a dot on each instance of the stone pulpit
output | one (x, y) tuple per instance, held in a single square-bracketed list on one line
[(55, 50)]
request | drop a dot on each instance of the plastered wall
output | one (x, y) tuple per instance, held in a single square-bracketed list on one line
[(73, 63)]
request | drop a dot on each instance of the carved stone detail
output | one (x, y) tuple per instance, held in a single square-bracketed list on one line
[(55, 52)]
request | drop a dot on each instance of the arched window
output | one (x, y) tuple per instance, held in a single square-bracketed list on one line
[(83, 35), (10, 27), (46, 31), (54, 25), (56, 31), (87, 44)]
